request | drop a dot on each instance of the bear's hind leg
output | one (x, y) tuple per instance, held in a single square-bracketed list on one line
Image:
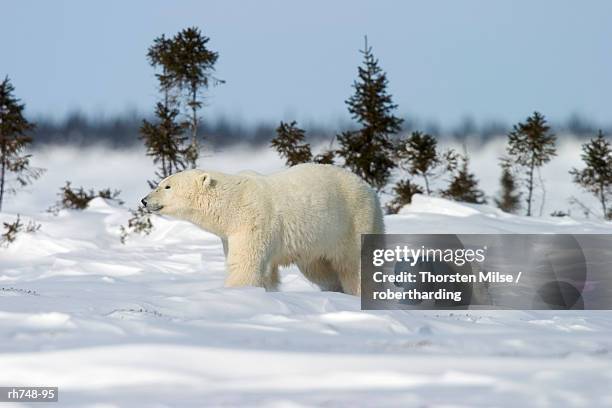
[(349, 274), (321, 273), (272, 279)]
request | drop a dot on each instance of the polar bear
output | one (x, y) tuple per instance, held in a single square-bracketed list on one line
[(312, 215)]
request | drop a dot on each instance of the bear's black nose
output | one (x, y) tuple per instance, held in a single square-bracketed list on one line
[(144, 202)]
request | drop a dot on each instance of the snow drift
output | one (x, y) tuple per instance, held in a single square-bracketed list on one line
[(150, 324)]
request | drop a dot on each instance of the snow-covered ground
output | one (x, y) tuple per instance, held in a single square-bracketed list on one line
[(149, 323)]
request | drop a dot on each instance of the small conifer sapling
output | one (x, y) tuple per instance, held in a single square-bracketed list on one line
[(596, 176), (531, 145)]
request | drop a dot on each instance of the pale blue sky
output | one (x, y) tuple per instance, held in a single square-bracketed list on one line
[(290, 59)]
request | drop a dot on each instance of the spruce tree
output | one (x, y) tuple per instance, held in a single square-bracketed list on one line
[(418, 155), (289, 143), (14, 139), (192, 66), (421, 154), (464, 185), (164, 141), (160, 55), (510, 198), (596, 177), (403, 192), (368, 151), (531, 145)]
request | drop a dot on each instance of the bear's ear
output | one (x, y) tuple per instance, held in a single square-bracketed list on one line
[(206, 180)]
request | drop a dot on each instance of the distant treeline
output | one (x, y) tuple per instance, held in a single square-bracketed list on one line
[(122, 131)]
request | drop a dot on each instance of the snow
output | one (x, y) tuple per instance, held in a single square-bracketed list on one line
[(149, 324), (433, 215)]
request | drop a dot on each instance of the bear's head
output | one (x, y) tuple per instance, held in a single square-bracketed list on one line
[(182, 194)]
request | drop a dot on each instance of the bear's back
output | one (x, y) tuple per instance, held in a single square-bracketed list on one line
[(324, 187), (309, 171)]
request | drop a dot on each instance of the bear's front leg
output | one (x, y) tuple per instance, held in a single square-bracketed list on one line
[(246, 261)]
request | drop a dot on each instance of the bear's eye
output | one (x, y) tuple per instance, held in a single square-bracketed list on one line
[(167, 187)]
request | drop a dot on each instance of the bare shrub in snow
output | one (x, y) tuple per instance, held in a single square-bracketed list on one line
[(140, 223), (403, 191), (109, 194), (12, 229), (79, 198)]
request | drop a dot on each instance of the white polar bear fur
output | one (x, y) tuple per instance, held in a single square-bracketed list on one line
[(312, 215)]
